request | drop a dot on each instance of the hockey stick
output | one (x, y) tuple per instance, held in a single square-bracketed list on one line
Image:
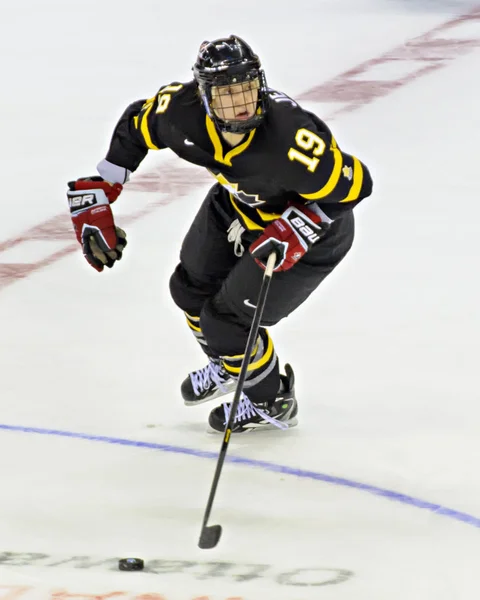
[(210, 535)]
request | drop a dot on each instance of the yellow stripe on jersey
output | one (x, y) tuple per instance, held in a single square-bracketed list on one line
[(333, 179), (357, 181), (249, 224), (144, 125), (217, 144), (239, 149), (213, 135), (268, 216)]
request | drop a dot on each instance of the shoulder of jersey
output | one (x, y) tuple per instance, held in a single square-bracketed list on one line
[(180, 91), (281, 102), (285, 117), (286, 112)]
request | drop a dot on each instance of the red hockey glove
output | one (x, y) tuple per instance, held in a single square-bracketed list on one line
[(89, 199), (290, 237)]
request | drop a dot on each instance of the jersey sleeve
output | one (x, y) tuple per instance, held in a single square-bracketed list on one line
[(140, 129), (322, 172)]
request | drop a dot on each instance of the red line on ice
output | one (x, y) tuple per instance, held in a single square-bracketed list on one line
[(352, 89)]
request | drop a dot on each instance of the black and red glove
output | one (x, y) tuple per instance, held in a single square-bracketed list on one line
[(89, 199), (290, 237)]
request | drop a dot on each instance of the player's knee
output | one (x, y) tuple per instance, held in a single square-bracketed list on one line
[(182, 293), (189, 292)]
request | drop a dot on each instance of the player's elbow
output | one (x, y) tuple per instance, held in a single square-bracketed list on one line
[(367, 183)]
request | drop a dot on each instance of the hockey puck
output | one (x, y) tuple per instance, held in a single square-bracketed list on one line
[(131, 564)]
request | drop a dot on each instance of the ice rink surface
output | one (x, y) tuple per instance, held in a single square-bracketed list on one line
[(376, 494)]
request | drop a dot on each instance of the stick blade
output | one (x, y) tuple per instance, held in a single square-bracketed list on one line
[(210, 537)]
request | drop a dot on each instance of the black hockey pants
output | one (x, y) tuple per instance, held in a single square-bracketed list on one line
[(216, 284)]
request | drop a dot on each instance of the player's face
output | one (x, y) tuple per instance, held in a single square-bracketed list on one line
[(236, 102)]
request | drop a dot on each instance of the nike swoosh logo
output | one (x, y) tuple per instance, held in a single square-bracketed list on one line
[(188, 143), (248, 303)]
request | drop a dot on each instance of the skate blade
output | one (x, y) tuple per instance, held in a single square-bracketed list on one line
[(257, 427)]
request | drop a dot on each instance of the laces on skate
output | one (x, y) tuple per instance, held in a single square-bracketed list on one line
[(202, 378), (247, 410)]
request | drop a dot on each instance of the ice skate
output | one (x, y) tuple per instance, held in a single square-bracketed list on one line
[(207, 384), (280, 414)]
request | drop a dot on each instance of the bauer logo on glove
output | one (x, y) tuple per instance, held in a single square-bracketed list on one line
[(305, 230), (290, 237), (83, 201)]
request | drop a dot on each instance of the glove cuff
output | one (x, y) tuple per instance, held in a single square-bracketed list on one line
[(113, 173)]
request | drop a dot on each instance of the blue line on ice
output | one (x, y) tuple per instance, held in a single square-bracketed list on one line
[(267, 466)]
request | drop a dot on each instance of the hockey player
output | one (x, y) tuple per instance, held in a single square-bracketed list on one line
[(282, 184)]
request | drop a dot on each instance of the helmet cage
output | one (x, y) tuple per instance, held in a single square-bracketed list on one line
[(227, 72), (233, 126)]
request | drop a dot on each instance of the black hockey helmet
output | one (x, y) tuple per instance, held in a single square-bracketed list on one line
[(225, 62)]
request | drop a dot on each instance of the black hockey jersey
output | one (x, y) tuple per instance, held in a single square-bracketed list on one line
[(291, 156)]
